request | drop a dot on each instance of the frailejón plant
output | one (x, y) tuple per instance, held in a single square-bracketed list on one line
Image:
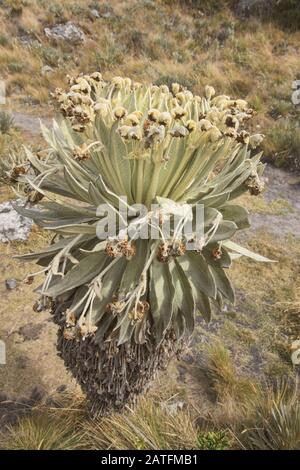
[(126, 304)]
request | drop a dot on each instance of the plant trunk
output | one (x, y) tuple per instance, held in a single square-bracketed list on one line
[(113, 376)]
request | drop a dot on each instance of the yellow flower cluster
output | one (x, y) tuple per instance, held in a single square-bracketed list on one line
[(153, 114)]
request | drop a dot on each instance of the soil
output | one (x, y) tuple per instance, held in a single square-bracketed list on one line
[(279, 184), (30, 124)]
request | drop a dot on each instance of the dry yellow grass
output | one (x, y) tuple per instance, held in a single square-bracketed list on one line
[(257, 60)]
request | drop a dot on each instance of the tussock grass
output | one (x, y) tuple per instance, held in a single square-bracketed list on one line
[(228, 385), (153, 424), (150, 426), (42, 432), (274, 422), (259, 205), (269, 420)]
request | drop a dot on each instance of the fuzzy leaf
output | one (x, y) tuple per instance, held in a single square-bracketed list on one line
[(183, 296), (82, 273), (223, 283), (245, 252), (198, 274), (161, 298), (237, 214)]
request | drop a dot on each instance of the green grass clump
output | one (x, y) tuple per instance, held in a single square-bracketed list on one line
[(6, 122), (214, 440), (283, 143)]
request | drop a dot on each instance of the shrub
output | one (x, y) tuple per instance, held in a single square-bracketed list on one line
[(15, 67), (282, 144), (214, 440), (169, 79), (6, 122), (56, 10), (4, 41)]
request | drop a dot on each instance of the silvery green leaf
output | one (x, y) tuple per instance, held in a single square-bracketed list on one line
[(215, 200), (119, 159), (237, 214), (226, 229), (183, 296), (197, 273), (72, 229), (126, 330), (245, 252), (202, 305), (161, 298), (134, 268), (223, 283), (51, 250), (76, 187), (82, 273), (109, 287)]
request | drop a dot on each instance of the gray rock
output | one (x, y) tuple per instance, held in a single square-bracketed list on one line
[(66, 32), (37, 394), (46, 69), (28, 41), (13, 226), (174, 407), (3, 397), (246, 8), (10, 284), (31, 331), (95, 13), (107, 15), (22, 362), (188, 358), (225, 33)]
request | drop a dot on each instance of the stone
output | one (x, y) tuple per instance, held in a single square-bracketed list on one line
[(188, 358), (31, 331), (13, 226), (3, 397), (46, 69), (225, 33), (246, 8), (107, 15), (68, 32), (11, 284), (174, 407), (26, 40), (37, 394), (95, 13), (22, 362)]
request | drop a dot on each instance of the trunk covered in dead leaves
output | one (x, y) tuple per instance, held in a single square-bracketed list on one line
[(113, 376)]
